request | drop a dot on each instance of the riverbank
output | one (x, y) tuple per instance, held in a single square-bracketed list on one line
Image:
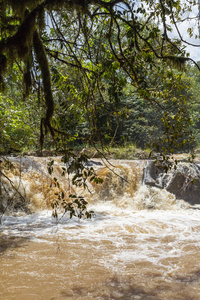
[(130, 152)]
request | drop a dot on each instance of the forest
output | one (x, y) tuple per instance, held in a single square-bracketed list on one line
[(76, 74), (88, 78), (99, 149)]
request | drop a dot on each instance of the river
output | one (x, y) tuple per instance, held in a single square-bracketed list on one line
[(141, 243)]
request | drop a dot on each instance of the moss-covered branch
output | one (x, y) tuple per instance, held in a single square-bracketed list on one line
[(46, 77)]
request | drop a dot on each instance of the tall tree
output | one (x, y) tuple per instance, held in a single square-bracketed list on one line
[(97, 38)]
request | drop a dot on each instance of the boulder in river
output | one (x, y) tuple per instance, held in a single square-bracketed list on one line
[(182, 181)]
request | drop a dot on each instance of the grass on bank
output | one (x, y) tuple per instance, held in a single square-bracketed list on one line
[(128, 152)]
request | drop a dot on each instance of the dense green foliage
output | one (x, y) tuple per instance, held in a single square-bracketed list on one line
[(19, 120), (95, 71), (102, 72)]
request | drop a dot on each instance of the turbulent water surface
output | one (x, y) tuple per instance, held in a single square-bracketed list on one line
[(141, 243)]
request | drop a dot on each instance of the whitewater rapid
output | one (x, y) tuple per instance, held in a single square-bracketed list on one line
[(140, 243)]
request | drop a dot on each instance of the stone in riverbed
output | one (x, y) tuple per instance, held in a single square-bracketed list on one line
[(183, 182)]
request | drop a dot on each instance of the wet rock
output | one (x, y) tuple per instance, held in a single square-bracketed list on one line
[(91, 163), (151, 175), (73, 165), (183, 182), (25, 163)]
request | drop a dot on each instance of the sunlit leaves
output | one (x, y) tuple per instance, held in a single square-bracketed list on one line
[(67, 201)]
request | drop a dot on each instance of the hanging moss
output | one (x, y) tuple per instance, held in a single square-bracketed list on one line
[(19, 6), (41, 19), (177, 61), (2, 83), (18, 45), (21, 41), (3, 65), (79, 5), (46, 78), (23, 38), (27, 79)]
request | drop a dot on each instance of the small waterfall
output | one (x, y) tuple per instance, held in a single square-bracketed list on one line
[(141, 243), (27, 185), (119, 180)]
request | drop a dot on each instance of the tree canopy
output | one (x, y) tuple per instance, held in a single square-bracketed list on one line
[(92, 55)]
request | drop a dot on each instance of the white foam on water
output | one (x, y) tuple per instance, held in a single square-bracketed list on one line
[(131, 225), (145, 235)]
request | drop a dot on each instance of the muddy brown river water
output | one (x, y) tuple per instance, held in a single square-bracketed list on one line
[(125, 251)]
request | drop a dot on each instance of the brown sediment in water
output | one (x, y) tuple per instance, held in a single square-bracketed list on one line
[(58, 268), (30, 177), (124, 252)]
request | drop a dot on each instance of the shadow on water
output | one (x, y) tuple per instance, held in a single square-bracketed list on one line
[(189, 278), (124, 290), (11, 242), (113, 289)]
